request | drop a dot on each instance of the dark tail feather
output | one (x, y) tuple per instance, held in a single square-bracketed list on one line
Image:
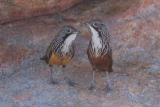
[(44, 58)]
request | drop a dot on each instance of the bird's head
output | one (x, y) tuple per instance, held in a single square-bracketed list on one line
[(96, 26), (68, 32)]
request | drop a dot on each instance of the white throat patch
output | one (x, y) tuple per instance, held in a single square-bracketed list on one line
[(96, 41), (68, 42)]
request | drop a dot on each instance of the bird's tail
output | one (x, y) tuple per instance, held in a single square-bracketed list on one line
[(44, 58)]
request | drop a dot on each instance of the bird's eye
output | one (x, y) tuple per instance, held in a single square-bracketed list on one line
[(102, 24), (95, 24), (68, 30)]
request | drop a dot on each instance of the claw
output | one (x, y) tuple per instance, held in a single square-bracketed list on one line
[(71, 83), (54, 82), (92, 86), (108, 89)]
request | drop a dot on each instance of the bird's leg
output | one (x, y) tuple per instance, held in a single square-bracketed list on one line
[(55, 74), (93, 82), (69, 81), (52, 76), (107, 82)]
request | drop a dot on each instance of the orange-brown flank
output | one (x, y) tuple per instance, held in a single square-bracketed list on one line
[(57, 60)]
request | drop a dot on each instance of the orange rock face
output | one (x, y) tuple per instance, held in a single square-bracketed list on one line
[(18, 9)]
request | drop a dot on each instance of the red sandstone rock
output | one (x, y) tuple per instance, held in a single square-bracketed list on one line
[(18, 9)]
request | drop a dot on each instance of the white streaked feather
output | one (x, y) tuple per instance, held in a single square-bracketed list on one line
[(68, 42), (96, 41)]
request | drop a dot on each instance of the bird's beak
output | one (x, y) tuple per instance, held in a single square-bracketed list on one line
[(90, 27)]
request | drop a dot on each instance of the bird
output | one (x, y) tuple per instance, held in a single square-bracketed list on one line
[(61, 51), (99, 51)]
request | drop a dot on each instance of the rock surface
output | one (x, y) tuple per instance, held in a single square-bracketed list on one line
[(18, 9), (135, 29)]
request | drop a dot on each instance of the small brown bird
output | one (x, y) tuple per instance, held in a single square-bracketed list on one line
[(61, 51), (99, 51)]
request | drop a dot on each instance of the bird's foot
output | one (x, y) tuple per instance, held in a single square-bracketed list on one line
[(108, 89), (54, 81), (71, 83), (92, 86)]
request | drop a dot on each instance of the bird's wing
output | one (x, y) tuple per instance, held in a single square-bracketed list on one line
[(54, 45)]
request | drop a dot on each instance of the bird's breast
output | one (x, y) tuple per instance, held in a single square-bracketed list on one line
[(59, 60)]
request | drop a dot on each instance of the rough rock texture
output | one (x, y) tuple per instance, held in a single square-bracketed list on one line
[(17, 9), (135, 29)]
